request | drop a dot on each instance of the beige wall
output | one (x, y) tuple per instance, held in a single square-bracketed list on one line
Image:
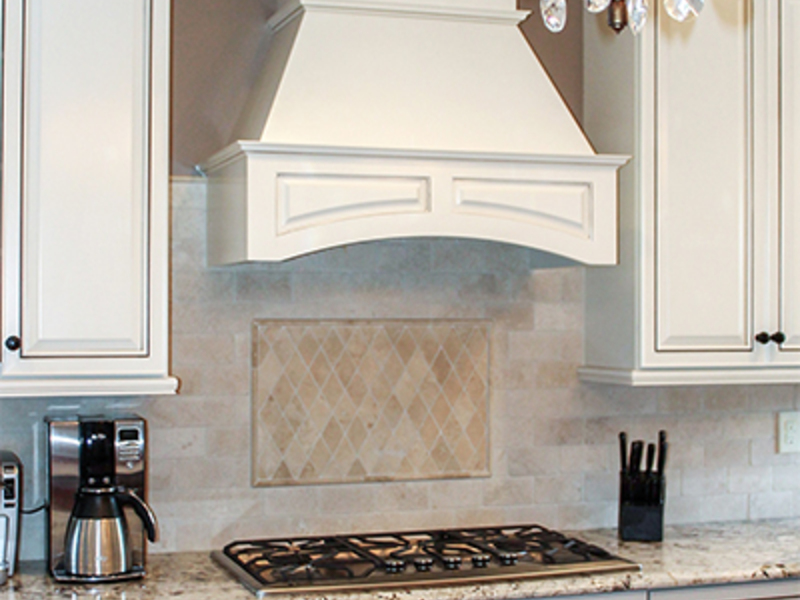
[(216, 45)]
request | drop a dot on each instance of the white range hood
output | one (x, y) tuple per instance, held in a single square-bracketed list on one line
[(378, 119)]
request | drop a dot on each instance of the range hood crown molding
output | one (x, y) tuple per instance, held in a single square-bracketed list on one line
[(379, 119), (484, 12)]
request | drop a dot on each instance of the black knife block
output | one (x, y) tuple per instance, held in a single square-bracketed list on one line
[(641, 507)]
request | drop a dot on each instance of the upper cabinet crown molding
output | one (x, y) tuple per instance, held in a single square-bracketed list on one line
[(85, 198), (706, 291)]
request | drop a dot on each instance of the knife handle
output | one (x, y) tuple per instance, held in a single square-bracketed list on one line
[(636, 457), (651, 457), (662, 452), (623, 451)]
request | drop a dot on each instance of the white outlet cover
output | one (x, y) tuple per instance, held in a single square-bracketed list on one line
[(788, 432)]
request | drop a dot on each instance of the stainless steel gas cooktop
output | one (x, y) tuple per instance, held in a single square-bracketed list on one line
[(412, 559)]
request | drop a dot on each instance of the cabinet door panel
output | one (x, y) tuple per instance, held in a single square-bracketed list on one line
[(704, 181), (85, 178), (790, 176), (786, 589)]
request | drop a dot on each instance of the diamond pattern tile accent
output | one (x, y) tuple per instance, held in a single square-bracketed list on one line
[(349, 401)]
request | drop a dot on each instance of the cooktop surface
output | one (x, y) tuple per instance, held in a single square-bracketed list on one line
[(412, 559)]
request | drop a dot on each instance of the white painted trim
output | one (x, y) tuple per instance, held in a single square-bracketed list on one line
[(73, 386), (700, 376), (419, 9), (237, 149)]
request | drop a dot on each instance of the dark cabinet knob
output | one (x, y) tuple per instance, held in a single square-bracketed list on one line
[(13, 343), (765, 338)]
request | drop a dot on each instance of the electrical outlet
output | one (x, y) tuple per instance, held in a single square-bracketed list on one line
[(788, 432)]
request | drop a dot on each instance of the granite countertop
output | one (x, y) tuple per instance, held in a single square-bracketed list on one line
[(689, 555)]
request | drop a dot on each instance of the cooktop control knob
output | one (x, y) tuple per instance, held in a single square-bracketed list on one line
[(423, 563), (481, 561), (508, 559), (451, 563), (394, 566)]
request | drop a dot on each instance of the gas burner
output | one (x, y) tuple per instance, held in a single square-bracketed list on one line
[(408, 559)]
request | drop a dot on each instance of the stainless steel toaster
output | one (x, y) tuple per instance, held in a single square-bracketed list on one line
[(10, 506)]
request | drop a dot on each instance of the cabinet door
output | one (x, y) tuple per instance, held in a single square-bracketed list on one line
[(704, 190), (757, 590), (80, 188), (790, 176)]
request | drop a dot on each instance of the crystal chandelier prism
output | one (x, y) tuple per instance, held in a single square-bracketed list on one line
[(621, 13)]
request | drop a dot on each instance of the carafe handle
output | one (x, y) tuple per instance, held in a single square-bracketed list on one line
[(142, 510)]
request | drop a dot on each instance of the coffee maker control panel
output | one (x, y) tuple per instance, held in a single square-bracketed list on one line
[(129, 446)]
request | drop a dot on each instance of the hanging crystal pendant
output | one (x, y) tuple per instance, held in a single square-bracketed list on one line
[(617, 15), (554, 14), (680, 10), (637, 14), (596, 6)]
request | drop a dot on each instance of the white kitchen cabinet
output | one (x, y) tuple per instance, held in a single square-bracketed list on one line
[(709, 207), (85, 198), (788, 589)]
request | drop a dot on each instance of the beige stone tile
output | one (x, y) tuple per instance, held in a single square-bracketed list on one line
[(771, 505), (726, 398), (556, 375), (749, 480), (765, 452), (349, 499), (686, 455), (587, 515), (397, 497), (680, 400), (559, 432), (559, 489), (202, 349), (702, 482), (529, 460), (726, 453), (215, 473), (228, 442), (600, 487), (546, 516), (779, 397), (259, 287), (508, 492), (197, 411), (176, 442), (721, 507), (786, 478), (750, 426), (547, 285), (582, 459), (558, 317)]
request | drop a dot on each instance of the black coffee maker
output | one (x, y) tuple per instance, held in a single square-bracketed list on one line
[(97, 476)]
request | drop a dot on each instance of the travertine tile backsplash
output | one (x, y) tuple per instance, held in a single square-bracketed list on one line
[(552, 440), (369, 400)]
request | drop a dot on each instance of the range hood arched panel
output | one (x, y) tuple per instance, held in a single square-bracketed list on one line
[(270, 203), (376, 119)]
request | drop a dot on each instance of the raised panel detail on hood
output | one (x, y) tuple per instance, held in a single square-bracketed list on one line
[(317, 200), (376, 119)]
